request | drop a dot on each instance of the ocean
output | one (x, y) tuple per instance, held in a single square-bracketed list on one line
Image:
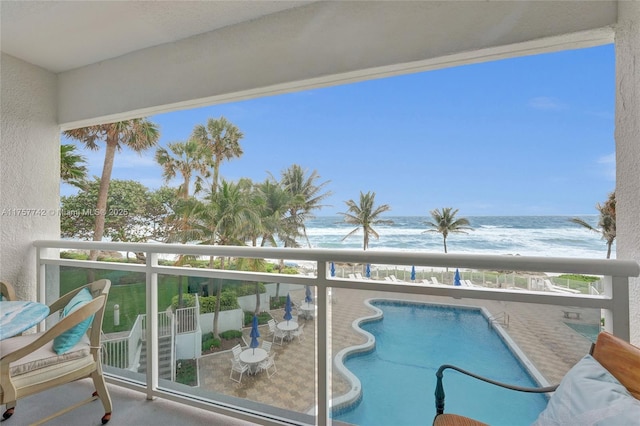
[(553, 236)]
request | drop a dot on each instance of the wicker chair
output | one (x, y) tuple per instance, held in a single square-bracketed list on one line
[(67, 352), (7, 291)]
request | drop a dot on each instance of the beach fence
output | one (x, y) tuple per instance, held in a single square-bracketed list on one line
[(491, 279)]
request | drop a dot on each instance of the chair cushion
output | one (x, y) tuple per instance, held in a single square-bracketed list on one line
[(43, 357), (67, 340), (590, 395)]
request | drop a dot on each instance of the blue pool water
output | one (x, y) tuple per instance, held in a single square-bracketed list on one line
[(412, 341)]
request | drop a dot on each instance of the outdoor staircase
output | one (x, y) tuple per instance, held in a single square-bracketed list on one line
[(164, 358)]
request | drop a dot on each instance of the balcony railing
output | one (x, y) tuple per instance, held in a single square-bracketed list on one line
[(613, 300)]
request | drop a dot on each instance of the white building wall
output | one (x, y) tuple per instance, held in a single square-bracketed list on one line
[(29, 169), (627, 136)]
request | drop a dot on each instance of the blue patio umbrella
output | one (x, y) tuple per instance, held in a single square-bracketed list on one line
[(456, 278), (254, 334), (333, 269), (413, 273), (368, 271), (307, 295), (287, 309)]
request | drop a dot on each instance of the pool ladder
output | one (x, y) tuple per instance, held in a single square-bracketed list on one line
[(501, 318)]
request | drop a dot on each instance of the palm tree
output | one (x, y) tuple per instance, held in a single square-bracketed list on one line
[(222, 139), (305, 197), (364, 215), (185, 158), (138, 134), (222, 219), (445, 222), (73, 169), (606, 223)]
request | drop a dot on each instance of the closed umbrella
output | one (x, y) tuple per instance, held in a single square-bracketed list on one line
[(308, 297), (368, 271), (254, 334), (287, 309), (333, 269), (456, 278), (413, 273)]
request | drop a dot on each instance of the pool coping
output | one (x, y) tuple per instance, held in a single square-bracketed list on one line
[(353, 396)]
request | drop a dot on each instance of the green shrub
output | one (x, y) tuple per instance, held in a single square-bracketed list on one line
[(188, 301), (278, 302), (187, 372), (73, 255), (263, 318), (576, 277), (248, 289), (231, 334), (228, 301), (209, 342)]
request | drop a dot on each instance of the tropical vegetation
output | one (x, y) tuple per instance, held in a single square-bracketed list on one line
[(445, 222), (364, 215), (138, 134), (606, 222)]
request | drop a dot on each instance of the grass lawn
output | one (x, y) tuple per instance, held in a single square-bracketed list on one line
[(130, 296)]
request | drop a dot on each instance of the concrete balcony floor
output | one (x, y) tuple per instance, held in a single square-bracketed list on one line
[(130, 408)]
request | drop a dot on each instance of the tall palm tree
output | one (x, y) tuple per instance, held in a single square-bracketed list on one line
[(222, 139), (606, 222), (445, 222), (138, 134), (364, 215), (73, 169), (185, 158), (222, 219), (306, 196)]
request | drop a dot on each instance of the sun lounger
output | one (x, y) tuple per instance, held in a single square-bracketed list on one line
[(359, 276), (435, 280)]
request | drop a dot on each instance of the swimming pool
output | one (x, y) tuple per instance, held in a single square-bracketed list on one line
[(411, 342)]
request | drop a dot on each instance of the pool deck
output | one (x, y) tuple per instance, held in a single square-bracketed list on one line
[(539, 331)]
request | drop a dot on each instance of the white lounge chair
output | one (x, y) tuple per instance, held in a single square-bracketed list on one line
[(435, 280), (359, 276), (272, 326)]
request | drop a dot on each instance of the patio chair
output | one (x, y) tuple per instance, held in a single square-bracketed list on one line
[(299, 333), (279, 334), (236, 350), (66, 352), (609, 376), (238, 367), (266, 346), (268, 365), (7, 291), (272, 326)]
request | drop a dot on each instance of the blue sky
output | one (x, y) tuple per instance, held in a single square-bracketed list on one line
[(523, 136)]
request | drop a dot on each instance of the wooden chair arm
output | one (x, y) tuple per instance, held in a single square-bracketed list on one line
[(439, 393)]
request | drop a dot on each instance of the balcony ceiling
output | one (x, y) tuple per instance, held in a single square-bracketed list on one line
[(64, 35)]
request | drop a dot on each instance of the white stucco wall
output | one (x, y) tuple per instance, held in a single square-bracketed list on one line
[(29, 169), (627, 136)]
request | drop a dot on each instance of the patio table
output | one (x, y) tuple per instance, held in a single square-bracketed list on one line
[(288, 327), (18, 316), (253, 357), (308, 310)]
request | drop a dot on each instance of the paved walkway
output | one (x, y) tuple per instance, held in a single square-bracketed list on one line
[(539, 330)]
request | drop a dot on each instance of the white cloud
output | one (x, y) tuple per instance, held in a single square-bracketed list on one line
[(608, 165), (546, 103)]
